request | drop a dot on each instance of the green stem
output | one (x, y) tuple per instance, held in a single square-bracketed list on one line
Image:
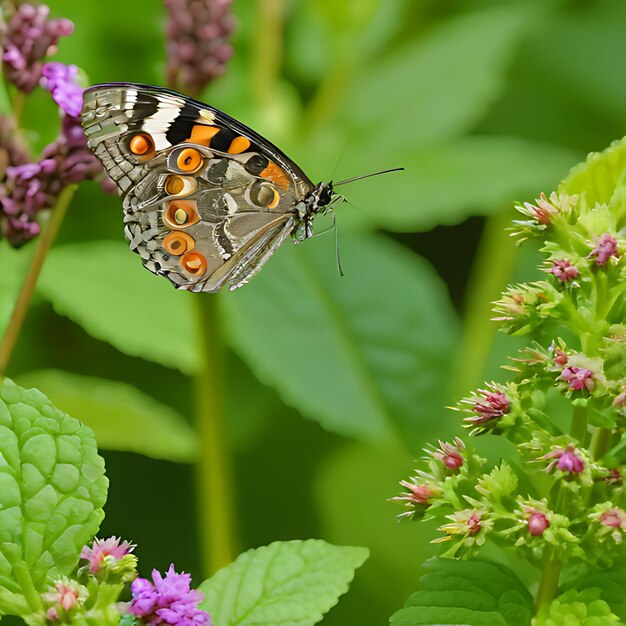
[(268, 50), (17, 104), (490, 274), (549, 582), (600, 442), (9, 339), (214, 476), (578, 429)]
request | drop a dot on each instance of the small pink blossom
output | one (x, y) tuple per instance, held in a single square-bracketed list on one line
[(66, 595), (606, 247), (473, 524), (60, 80), (493, 404), (564, 270), (417, 494), (450, 455), (566, 460), (578, 378), (620, 400), (537, 522), (560, 357), (103, 548)]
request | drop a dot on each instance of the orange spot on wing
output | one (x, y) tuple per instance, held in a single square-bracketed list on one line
[(238, 145), (276, 175), (202, 134)]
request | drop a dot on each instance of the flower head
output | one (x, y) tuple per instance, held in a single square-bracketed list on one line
[(450, 455), (109, 550), (64, 596), (537, 522), (486, 406), (467, 523), (578, 378), (417, 497), (60, 80), (167, 600), (606, 247), (26, 38), (611, 519), (564, 270), (568, 460), (197, 41)]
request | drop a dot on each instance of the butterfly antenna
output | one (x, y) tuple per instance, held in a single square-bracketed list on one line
[(351, 180)]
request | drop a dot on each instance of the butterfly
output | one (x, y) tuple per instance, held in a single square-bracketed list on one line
[(207, 201)]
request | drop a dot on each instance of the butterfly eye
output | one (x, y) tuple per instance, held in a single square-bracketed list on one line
[(194, 263), (189, 160), (141, 144), (180, 214), (178, 243)]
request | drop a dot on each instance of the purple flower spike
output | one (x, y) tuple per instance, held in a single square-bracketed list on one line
[(60, 80), (564, 270), (27, 38), (168, 600)]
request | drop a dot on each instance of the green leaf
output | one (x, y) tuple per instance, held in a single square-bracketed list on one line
[(361, 354), (611, 585), (435, 88), (119, 414), (598, 176), (582, 608), (467, 592), (52, 490), (291, 582), (445, 184), (102, 286)]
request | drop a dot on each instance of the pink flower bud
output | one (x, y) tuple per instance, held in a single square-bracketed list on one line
[(537, 523), (494, 404), (560, 358), (606, 247), (578, 378), (566, 460), (473, 524), (450, 454), (564, 270), (614, 518)]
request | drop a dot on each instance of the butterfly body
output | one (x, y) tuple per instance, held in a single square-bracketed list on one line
[(206, 200)]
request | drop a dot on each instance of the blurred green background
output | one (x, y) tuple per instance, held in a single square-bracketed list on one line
[(332, 385)]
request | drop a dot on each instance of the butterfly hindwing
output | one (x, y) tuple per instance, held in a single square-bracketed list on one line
[(206, 199)]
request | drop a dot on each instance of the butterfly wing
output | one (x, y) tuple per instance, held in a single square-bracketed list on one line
[(206, 199)]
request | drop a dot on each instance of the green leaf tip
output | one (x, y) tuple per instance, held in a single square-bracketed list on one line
[(52, 490), (291, 583)]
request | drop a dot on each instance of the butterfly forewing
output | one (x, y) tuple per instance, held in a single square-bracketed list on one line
[(206, 199)]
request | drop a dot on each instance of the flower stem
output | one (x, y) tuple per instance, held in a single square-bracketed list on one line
[(9, 339), (490, 274), (600, 442), (578, 429), (549, 582), (214, 476)]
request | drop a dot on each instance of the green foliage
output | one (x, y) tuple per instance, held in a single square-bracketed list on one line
[(293, 582), (356, 359), (10, 281), (119, 414), (584, 608), (609, 583), (136, 314), (467, 592), (53, 488)]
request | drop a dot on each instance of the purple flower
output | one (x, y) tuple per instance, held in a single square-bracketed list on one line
[(565, 459), (27, 37), (60, 80), (537, 523), (564, 270), (492, 405), (168, 600), (197, 41), (606, 247), (578, 378)]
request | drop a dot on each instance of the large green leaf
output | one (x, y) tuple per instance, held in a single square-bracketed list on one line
[(434, 88), (292, 582), (473, 592), (360, 354), (122, 417), (103, 287), (445, 184), (52, 490), (611, 584)]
